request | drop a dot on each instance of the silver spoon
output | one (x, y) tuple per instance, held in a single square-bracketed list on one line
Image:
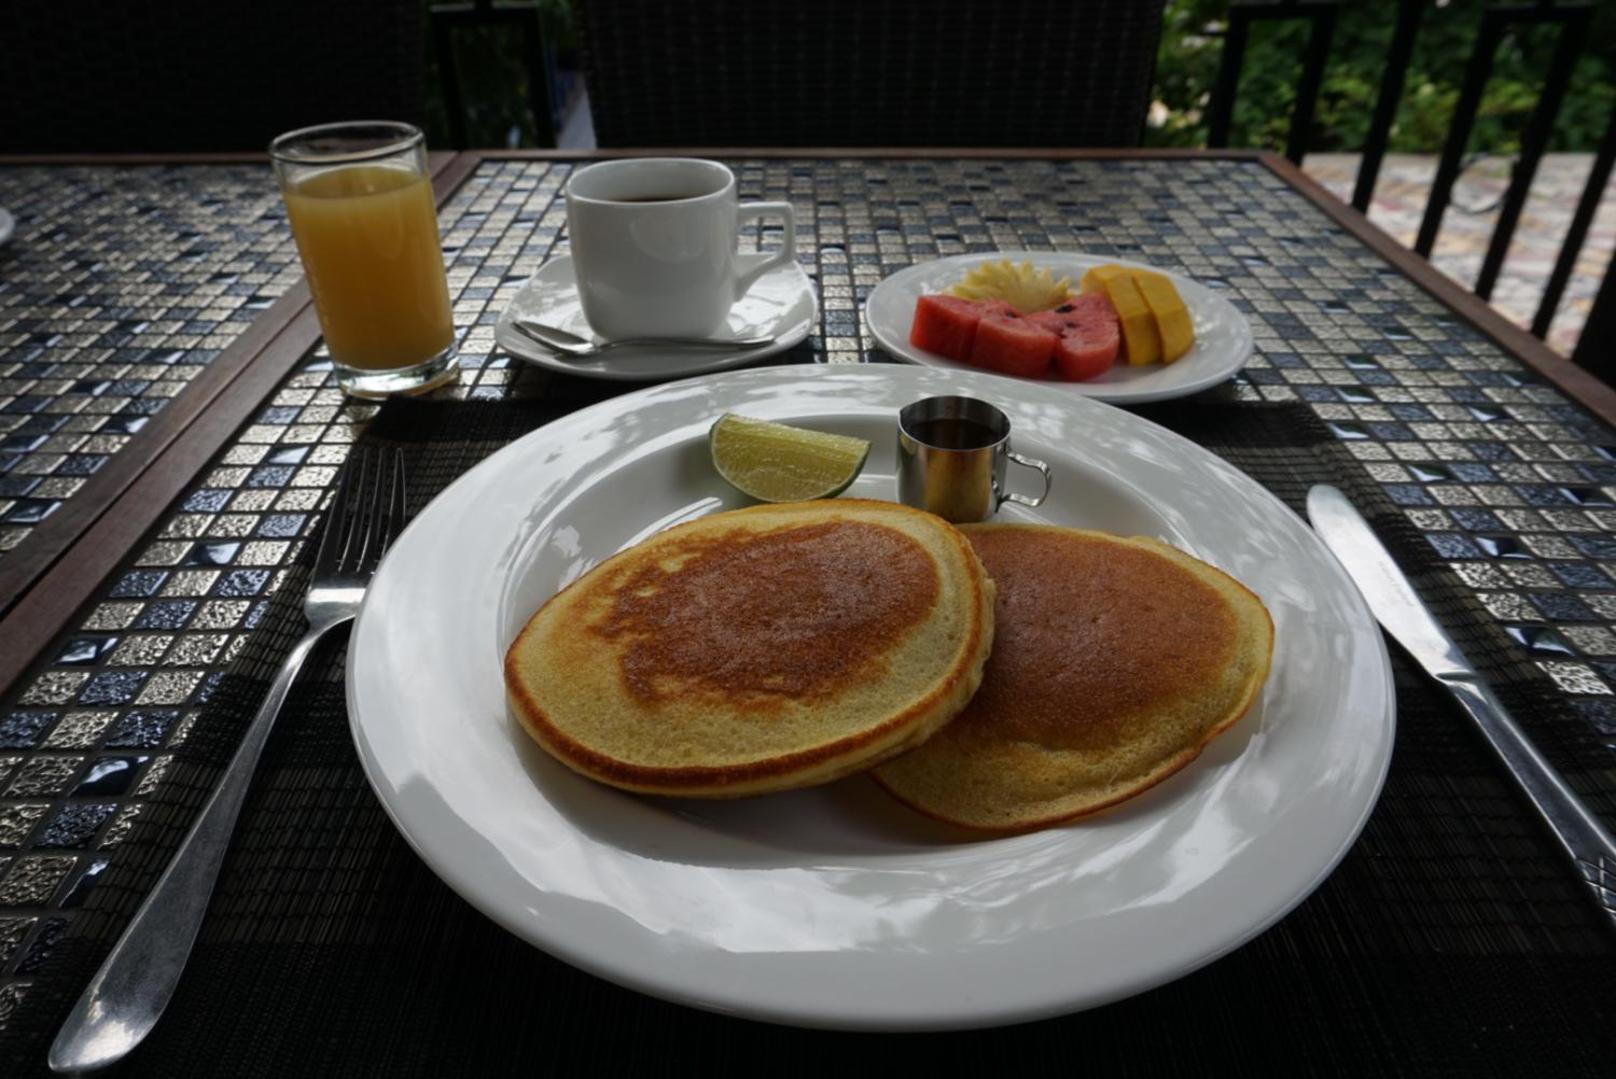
[(565, 343)]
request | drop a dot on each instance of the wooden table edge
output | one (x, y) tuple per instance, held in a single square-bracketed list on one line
[(1578, 384)]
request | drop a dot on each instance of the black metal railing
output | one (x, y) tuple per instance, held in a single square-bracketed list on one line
[(1321, 13), (1596, 347)]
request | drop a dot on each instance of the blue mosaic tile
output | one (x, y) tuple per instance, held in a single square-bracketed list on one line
[(1472, 473), (17, 486), (29, 511), (212, 554), (1562, 607), (210, 686), (45, 939), (1600, 711), (22, 730), (1452, 546), (141, 729), (1585, 496), (86, 881), (1502, 547), (1390, 432), (1409, 494), (1581, 575), (113, 687), (1602, 547), (282, 525), (1475, 520), (255, 615), (1541, 640), (243, 582), (270, 476), (166, 614), (109, 777), (206, 501), (138, 583), (75, 824), (85, 650)]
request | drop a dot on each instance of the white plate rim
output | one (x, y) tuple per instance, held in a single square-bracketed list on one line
[(679, 366), (838, 1014), (1205, 303)]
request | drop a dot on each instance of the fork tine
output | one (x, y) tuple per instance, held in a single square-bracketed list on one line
[(385, 515), (333, 539), (397, 504), (359, 463), (370, 520)]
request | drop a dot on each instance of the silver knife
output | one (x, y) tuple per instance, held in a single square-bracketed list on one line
[(1392, 598)]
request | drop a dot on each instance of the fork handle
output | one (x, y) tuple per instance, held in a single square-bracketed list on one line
[(128, 994)]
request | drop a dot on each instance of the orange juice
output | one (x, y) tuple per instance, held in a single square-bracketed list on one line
[(368, 235)]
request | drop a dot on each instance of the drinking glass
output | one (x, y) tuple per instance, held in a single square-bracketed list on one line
[(359, 199)]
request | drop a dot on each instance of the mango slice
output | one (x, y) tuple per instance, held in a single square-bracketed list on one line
[(1141, 342), (1173, 323), (1094, 280)]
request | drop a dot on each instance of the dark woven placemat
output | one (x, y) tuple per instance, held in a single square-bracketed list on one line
[(1452, 938)]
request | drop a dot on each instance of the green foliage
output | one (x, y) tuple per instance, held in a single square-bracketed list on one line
[(1192, 43), (494, 79)]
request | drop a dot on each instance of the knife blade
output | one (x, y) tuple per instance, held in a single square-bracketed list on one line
[(1400, 611)]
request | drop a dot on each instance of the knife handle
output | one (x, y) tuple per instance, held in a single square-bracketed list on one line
[(1585, 839)]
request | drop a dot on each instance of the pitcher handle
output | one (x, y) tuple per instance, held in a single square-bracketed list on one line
[(1027, 462)]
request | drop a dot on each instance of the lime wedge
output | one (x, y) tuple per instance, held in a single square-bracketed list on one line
[(776, 463)]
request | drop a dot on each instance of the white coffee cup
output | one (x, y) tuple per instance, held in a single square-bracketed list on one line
[(653, 245)]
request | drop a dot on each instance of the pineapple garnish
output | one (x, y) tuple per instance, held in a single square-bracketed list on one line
[(1022, 287)]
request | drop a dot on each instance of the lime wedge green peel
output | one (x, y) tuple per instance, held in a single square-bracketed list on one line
[(773, 462)]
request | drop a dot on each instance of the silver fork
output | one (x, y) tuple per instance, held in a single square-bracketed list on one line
[(128, 994)]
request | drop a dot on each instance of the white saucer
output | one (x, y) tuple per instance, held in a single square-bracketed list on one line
[(781, 305)]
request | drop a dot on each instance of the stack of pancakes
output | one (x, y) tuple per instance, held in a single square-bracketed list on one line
[(1001, 677)]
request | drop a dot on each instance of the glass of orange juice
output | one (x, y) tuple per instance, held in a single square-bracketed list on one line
[(359, 199)]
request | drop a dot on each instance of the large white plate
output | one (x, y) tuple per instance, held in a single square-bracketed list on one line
[(837, 907), (781, 305), (1222, 334)]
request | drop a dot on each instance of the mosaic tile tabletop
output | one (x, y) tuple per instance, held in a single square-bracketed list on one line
[(118, 286), (1511, 483)]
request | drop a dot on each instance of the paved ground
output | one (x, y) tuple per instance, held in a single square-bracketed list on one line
[(1400, 194)]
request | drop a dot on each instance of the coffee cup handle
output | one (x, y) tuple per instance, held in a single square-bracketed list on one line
[(751, 267), (1028, 462)]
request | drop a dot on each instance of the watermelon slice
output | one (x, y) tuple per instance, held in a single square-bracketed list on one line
[(1090, 336), (946, 325), (1012, 345)]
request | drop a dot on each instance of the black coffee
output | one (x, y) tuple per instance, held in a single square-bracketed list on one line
[(953, 433)]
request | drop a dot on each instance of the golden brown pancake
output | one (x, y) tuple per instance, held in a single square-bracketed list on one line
[(1115, 661), (761, 649)]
